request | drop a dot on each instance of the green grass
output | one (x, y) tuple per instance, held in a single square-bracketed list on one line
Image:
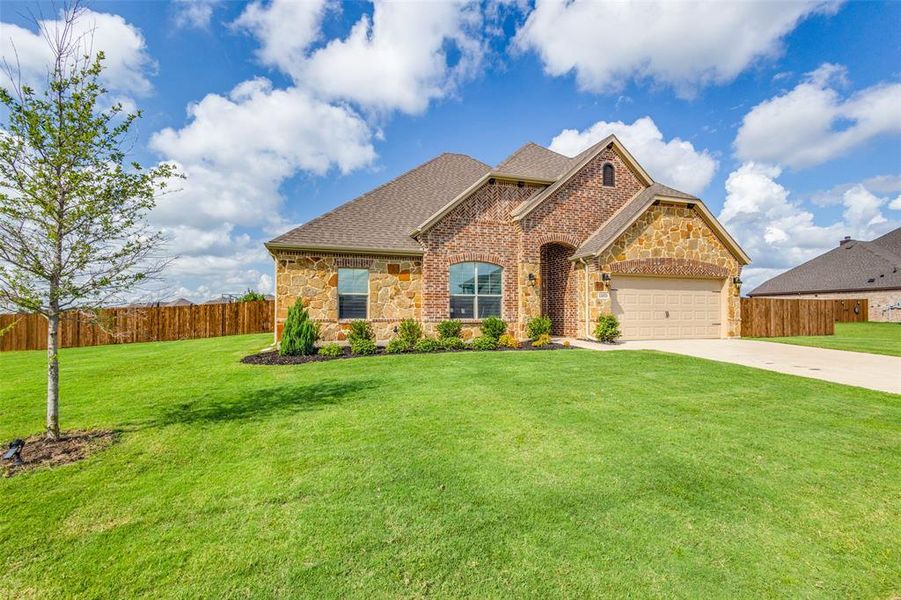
[(567, 473), (875, 338)]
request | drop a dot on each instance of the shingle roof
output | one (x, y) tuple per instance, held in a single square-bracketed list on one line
[(853, 266), (534, 161), (383, 218), (625, 216)]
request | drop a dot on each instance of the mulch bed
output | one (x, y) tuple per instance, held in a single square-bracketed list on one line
[(274, 358), (71, 447)]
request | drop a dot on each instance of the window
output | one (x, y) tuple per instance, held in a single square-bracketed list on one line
[(608, 175), (353, 293), (475, 290)]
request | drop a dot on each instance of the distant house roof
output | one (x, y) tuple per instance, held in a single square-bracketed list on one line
[(854, 266), (179, 302)]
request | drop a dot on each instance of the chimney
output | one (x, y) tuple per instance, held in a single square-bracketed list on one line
[(845, 241)]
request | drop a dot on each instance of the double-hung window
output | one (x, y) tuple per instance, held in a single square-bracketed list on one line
[(353, 293), (475, 290)]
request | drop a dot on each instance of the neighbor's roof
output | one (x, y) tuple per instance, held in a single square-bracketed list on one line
[(854, 266), (381, 220)]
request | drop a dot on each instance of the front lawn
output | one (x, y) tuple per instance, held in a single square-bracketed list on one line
[(875, 338), (568, 473)]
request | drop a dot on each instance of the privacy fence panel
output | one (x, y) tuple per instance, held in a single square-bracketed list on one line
[(145, 324), (786, 317)]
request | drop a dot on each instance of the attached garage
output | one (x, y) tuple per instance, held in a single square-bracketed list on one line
[(655, 308)]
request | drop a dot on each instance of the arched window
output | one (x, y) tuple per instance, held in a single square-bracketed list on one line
[(609, 175), (475, 290)]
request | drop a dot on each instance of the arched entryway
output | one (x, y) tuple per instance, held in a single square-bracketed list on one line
[(558, 288)]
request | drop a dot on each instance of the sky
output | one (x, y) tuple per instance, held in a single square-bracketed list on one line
[(784, 117)]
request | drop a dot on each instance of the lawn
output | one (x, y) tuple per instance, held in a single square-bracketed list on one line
[(875, 338), (564, 473)]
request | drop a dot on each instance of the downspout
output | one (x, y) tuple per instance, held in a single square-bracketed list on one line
[(275, 301), (587, 294)]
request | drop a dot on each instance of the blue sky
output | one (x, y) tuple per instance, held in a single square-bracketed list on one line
[(784, 117)]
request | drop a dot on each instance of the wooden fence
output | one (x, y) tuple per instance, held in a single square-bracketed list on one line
[(778, 317), (145, 324)]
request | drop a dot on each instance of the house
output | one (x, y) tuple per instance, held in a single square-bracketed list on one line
[(178, 302), (854, 269), (541, 233)]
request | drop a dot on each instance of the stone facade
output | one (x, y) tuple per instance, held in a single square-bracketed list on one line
[(537, 276), (672, 241), (879, 302)]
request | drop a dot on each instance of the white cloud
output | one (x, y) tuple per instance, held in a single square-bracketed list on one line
[(674, 162), (814, 123), (194, 14), (686, 45), (779, 233), (127, 63), (396, 60)]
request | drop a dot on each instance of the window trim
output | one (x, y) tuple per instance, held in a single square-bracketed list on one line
[(612, 175), (366, 295), (475, 295)]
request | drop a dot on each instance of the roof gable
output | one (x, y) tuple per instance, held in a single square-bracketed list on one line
[(610, 231), (532, 160)]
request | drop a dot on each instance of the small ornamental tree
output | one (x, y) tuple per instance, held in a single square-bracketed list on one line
[(73, 229), (300, 333), (251, 296)]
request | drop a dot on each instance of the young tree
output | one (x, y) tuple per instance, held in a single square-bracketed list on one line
[(73, 230)]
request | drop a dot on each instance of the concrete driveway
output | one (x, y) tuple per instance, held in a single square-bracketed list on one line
[(873, 371)]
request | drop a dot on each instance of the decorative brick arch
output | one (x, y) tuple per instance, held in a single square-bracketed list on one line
[(558, 238), (475, 257), (677, 267)]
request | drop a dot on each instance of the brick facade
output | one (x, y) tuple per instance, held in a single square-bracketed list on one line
[(538, 276)]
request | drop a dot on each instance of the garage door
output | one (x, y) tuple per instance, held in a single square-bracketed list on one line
[(655, 308)]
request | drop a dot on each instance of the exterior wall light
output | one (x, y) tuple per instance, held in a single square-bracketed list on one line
[(605, 276), (532, 279), (736, 280)]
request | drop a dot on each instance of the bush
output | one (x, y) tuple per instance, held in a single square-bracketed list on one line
[(566, 344), (484, 342), (493, 327), (607, 329), (251, 296), (541, 341), (538, 326), (360, 330), (428, 345), (409, 331), (363, 347), (332, 350), (397, 346), (300, 333), (449, 328), (508, 341), (452, 343)]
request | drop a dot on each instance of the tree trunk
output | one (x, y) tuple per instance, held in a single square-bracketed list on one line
[(53, 376)]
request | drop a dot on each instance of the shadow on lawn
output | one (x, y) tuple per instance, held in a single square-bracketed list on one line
[(261, 403)]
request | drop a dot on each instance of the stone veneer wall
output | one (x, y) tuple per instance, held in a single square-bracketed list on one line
[(671, 241), (878, 303), (395, 289)]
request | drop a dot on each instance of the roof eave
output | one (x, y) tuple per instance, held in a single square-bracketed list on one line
[(275, 246), (829, 291)]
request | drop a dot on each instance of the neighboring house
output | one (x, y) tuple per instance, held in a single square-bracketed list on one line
[(541, 233), (855, 269), (179, 302)]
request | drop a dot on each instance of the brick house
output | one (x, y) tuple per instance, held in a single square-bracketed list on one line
[(541, 233), (852, 270)]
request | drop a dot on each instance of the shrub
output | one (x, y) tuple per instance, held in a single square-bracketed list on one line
[(428, 345), (300, 333), (409, 331), (493, 327), (397, 346), (542, 340), (566, 344), (508, 341), (363, 347), (332, 350), (538, 326), (452, 343), (360, 330), (449, 328), (484, 342), (251, 296), (607, 329)]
